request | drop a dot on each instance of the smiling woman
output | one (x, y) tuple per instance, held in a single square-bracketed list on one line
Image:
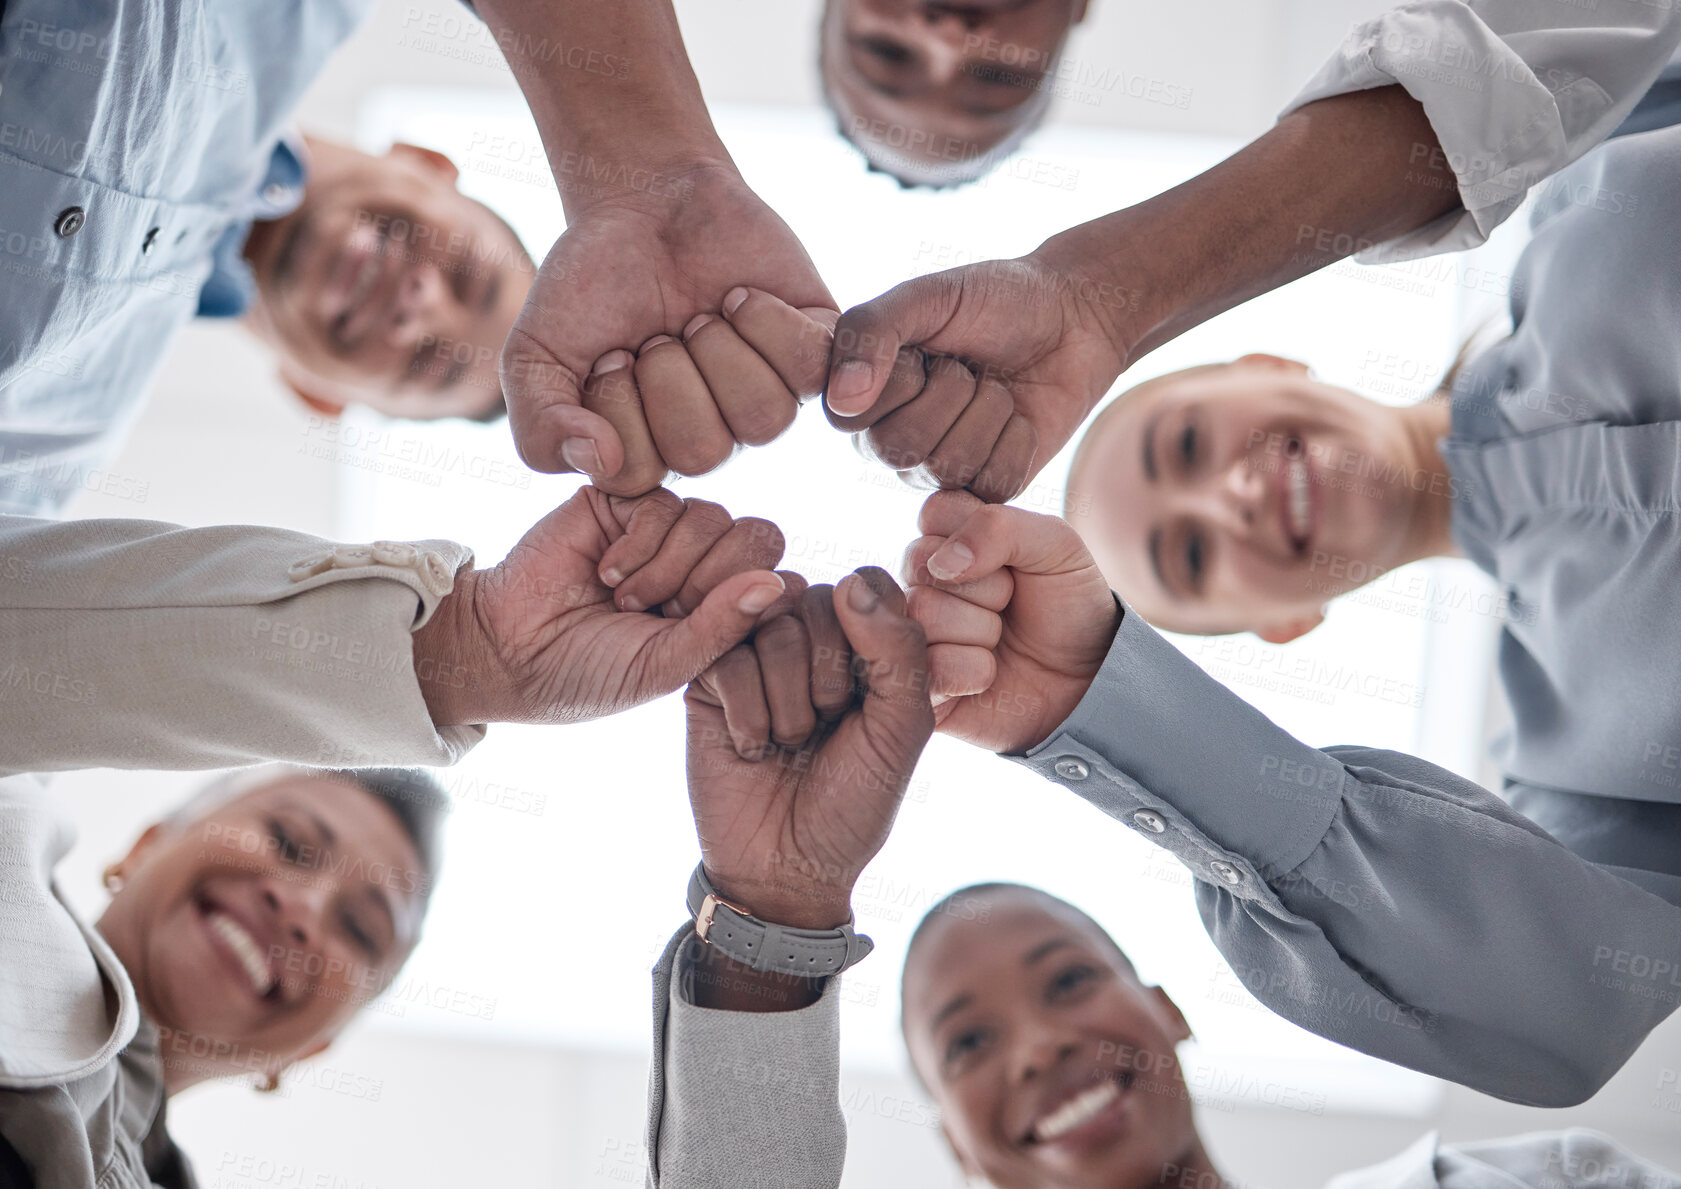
[(244, 931)]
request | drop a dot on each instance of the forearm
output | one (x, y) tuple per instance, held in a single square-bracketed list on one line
[(631, 102), (1328, 180), (1370, 896)]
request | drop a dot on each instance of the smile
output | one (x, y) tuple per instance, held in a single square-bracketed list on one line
[(1079, 1110), (245, 949), (1298, 495)]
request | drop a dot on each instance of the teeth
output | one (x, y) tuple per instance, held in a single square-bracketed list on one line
[(1301, 508), (246, 949), (364, 281), (1077, 1110)]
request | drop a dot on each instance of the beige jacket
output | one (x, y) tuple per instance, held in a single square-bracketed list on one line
[(131, 644), (135, 644)]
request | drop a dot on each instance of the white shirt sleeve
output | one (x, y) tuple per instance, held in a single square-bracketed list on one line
[(1514, 89)]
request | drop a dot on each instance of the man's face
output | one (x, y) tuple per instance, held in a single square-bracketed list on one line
[(924, 85), (388, 287), (259, 929), (1052, 1065)]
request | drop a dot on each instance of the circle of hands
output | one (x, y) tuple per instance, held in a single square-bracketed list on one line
[(662, 335)]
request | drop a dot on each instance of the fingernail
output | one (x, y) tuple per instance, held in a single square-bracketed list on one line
[(612, 576), (630, 603), (848, 387), (696, 323), (862, 597), (951, 560), (610, 362), (759, 597), (734, 298), (580, 454), (656, 341)]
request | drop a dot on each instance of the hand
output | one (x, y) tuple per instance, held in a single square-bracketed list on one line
[(1018, 619), (796, 770), (558, 632), (736, 378), (1029, 348), (632, 267)]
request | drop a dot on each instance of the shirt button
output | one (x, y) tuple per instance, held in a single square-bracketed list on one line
[(69, 221), (351, 557), (1146, 819), (393, 553), (436, 574), (150, 242), (1226, 871), (1070, 768), (309, 567)]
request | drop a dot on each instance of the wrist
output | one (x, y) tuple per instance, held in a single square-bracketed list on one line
[(451, 651), (711, 980), (794, 902), (1107, 292), (653, 179)]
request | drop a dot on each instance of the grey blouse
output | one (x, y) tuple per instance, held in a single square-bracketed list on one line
[(1566, 458), (1392, 906)]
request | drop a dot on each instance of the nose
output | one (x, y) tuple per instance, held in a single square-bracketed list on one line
[(297, 909), (1233, 499), (1039, 1050), (420, 297)]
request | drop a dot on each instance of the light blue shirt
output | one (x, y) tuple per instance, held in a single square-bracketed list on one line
[(135, 135)]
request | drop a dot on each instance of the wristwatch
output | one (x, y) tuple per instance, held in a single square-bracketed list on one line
[(735, 932)]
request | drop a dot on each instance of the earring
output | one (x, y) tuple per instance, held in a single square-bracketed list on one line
[(269, 1082), (113, 878)]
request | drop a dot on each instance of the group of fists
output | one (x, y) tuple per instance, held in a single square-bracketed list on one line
[(808, 706), (659, 336)]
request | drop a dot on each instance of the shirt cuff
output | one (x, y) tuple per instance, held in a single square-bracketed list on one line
[(1501, 130), (1162, 747)]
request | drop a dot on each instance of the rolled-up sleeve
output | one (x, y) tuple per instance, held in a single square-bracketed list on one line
[(1515, 90), (1369, 896), (745, 1099)]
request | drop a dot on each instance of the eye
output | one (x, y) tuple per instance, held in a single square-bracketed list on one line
[(888, 51), (1188, 445), (965, 1047), (1071, 979), (364, 941), (284, 842), (1194, 559)]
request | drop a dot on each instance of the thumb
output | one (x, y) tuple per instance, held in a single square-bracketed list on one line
[(898, 717), (551, 428), (997, 535), (868, 338), (725, 618)]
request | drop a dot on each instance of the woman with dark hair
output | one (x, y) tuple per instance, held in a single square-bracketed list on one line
[(244, 932)]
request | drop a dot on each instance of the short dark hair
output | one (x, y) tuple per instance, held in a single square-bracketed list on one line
[(413, 794), (418, 800), (961, 904)]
